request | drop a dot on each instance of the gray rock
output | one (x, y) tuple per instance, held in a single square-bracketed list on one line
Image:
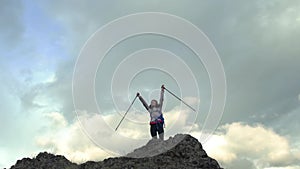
[(181, 151), (45, 161)]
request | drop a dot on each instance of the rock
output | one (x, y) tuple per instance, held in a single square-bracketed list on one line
[(45, 161), (181, 151)]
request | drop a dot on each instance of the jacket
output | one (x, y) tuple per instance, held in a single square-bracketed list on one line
[(156, 115)]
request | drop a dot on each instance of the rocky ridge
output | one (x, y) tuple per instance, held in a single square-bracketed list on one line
[(186, 153)]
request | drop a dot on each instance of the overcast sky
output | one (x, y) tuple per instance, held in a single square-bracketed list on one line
[(258, 44)]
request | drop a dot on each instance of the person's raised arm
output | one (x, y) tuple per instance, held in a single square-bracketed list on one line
[(143, 101), (161, 100)]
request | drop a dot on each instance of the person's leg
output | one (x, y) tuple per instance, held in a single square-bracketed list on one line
[(161, 131), (161, 136), (153, 131)]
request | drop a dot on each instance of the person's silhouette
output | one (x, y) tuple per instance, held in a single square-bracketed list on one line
[(156, 116)]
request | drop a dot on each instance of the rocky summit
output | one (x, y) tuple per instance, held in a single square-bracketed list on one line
[(181, 151)]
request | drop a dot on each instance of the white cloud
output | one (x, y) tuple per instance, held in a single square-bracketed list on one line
[(56, 119), (134, 130), (234, 144), (262, 145), (68, 140), (3, 159), (191, 100), (289, 167), (216, 147)]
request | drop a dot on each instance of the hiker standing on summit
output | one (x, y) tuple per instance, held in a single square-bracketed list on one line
[(156, 116)]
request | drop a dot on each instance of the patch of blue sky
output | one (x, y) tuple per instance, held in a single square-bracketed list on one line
[(42, 48), (45, 35)]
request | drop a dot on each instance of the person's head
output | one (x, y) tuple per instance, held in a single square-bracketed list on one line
[(154, 103)]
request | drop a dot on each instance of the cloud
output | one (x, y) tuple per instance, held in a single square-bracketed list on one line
[(289, 167), (92, 137), (241, 163), (61, 137), (192, 100), (234, 145), (57, 119), (10, 14), (260, 32), (262, 146), (3, 160)]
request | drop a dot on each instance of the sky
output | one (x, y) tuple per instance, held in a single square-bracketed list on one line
[(257, 42)]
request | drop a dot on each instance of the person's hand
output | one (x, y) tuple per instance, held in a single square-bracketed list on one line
[(137, 94), (162, 86)]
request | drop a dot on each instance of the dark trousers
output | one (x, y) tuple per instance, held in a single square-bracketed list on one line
[(156, 128)]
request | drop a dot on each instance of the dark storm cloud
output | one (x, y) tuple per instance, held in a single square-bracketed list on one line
[(257, 42)]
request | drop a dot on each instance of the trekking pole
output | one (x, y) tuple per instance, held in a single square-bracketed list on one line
[(126, 112), (180, 99)]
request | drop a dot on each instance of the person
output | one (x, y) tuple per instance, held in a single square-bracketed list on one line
[(156, 116)]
